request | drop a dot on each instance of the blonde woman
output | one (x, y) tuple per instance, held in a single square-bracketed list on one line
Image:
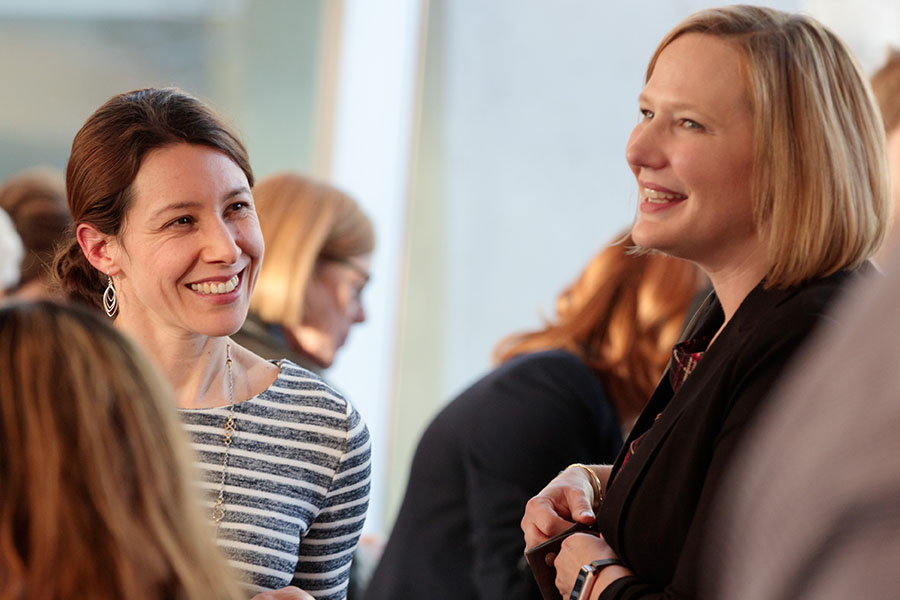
[(98, 499), (562, 394), (309, 292), (760, 157)]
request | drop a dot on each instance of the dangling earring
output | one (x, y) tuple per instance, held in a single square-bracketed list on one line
[(110, 301)]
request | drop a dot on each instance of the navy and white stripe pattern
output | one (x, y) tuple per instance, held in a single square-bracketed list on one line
[(297, 485)]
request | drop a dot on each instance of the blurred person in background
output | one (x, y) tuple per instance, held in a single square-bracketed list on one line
[(319, 246), (167, 242), (886, 86), (308, 296), (565, 393), (811, 507), (97, 491), (11, 254), (36, 202)]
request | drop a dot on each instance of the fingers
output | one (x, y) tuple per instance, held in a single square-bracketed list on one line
[(579, 504), (542, 521), (565, 499)]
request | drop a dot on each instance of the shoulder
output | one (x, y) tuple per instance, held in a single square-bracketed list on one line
[(552, 366), (531, 386), (529, 378), (299, 388), (798, 309)]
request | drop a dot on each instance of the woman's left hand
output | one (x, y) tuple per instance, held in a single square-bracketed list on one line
[(578, 550)]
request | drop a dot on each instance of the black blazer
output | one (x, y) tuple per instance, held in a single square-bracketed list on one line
[(657, 504), (457, 536)]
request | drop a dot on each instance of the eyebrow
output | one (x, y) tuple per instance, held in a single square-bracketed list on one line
[(175, 206), (671, 105)]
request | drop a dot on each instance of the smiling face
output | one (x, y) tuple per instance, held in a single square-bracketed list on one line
[(692, 155), (189, 253)]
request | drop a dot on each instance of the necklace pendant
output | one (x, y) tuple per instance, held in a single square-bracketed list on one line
[(219, 510)]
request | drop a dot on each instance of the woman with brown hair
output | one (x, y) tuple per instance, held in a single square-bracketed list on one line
[(168, 244), (319, 247), (760, 157), (98, 499), (36, 201), (562, 394)]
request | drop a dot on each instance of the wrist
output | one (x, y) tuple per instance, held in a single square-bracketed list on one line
[(596, 485), (605, 579), (584, 583)]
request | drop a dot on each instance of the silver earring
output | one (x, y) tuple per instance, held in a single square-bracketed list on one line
[(110, 301)]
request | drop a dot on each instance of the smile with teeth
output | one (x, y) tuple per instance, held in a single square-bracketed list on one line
[(216, 288), (657, 197)]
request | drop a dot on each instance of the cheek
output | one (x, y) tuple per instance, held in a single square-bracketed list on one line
[(251, 238)]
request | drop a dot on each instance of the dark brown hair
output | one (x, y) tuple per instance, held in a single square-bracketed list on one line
[(621, 317), (106, 155)]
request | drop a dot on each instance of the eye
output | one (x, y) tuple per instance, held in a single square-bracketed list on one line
[(181, 221), (691, 124), (647, 113), (238, 206)]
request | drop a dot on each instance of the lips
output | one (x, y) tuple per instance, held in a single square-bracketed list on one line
[(216, 287)]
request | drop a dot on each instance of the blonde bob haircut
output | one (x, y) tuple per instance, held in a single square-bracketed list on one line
[(303, 222), (98, 499), (821, 189)]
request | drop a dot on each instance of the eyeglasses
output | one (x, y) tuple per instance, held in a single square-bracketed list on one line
[(365, 275)]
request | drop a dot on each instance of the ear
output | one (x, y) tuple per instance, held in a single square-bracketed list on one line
[(99, 248)]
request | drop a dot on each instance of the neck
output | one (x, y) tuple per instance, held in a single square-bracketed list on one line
[(311, 343), (734, 282), (194, 366)]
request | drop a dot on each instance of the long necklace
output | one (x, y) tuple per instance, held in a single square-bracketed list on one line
[(230, 428)]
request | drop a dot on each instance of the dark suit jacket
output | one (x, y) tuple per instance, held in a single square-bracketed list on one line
[(656, 506), (495, 446)]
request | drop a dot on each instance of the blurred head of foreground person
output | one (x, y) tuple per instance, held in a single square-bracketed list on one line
[(886, 86), (760, 157), (319, 247), (36, 201), (98, 499)]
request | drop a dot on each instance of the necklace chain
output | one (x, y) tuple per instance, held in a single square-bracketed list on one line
[(230, 427)]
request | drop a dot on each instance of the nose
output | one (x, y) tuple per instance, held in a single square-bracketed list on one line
[(644, 148), (360, 315), (220, 244)]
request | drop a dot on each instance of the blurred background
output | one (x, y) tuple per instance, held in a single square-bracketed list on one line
[(485, 139)]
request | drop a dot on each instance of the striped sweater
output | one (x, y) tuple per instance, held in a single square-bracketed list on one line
[(297, 484)]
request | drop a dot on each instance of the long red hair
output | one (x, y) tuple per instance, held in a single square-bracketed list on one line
[(621, 317)]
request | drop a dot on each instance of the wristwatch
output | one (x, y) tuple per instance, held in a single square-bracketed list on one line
[(586, 576)]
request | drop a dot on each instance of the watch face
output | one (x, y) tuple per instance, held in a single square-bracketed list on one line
[(583, 576)]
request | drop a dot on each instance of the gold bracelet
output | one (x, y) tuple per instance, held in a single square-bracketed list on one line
[(596, 486)]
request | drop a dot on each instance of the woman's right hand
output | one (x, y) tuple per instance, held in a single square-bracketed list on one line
[(285, 593), (566, 499)]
